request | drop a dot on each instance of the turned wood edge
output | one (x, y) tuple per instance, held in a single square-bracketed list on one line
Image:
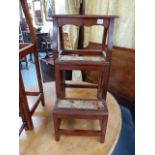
[(118, 136)]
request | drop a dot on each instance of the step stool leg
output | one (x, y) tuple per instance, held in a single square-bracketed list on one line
[(103, 123), (56, 127)]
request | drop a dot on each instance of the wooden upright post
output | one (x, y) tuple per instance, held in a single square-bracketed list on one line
[(29, 22), (24, 50), (81, 29)]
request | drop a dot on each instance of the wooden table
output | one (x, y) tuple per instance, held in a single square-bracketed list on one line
[(47, 69), (41, 140)]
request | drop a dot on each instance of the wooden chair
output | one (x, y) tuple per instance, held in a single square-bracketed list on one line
[(25, 111), (88, 60), (24, 50), (23, 116)]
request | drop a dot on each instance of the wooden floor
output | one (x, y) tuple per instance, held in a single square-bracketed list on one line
[(40, 141)]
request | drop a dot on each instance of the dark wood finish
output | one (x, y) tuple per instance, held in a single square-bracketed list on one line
[(87, 20), (63, 18), (82, 52), (104, 38), (23, 117), (23, 104), (32, 93), (97, 61), (81, 85), (47, 69), (36, 104), (63, 113), (122, 75), (22, 128), (24, 50), (61, 37), (80, 132), (82, 8), (27, 113), (81, 29)]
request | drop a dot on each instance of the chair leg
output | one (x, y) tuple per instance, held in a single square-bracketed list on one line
[(56, 127), (23, 116), (59, 82), (99, 90), (42, 102), (37, 67), (63, 83), (27, 67), (103, 123)]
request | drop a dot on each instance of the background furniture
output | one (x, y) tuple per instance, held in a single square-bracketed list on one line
[(47, 69), (42, 137), (46, 43), (21, 40), (91, 60), (39, 39)]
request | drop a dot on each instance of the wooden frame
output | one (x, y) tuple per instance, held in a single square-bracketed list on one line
[(64, 113), (27, 113), (24, 50), (76, 60)]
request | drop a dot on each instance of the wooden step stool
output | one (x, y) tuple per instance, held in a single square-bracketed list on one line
[(80, 109), (85, 60)]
